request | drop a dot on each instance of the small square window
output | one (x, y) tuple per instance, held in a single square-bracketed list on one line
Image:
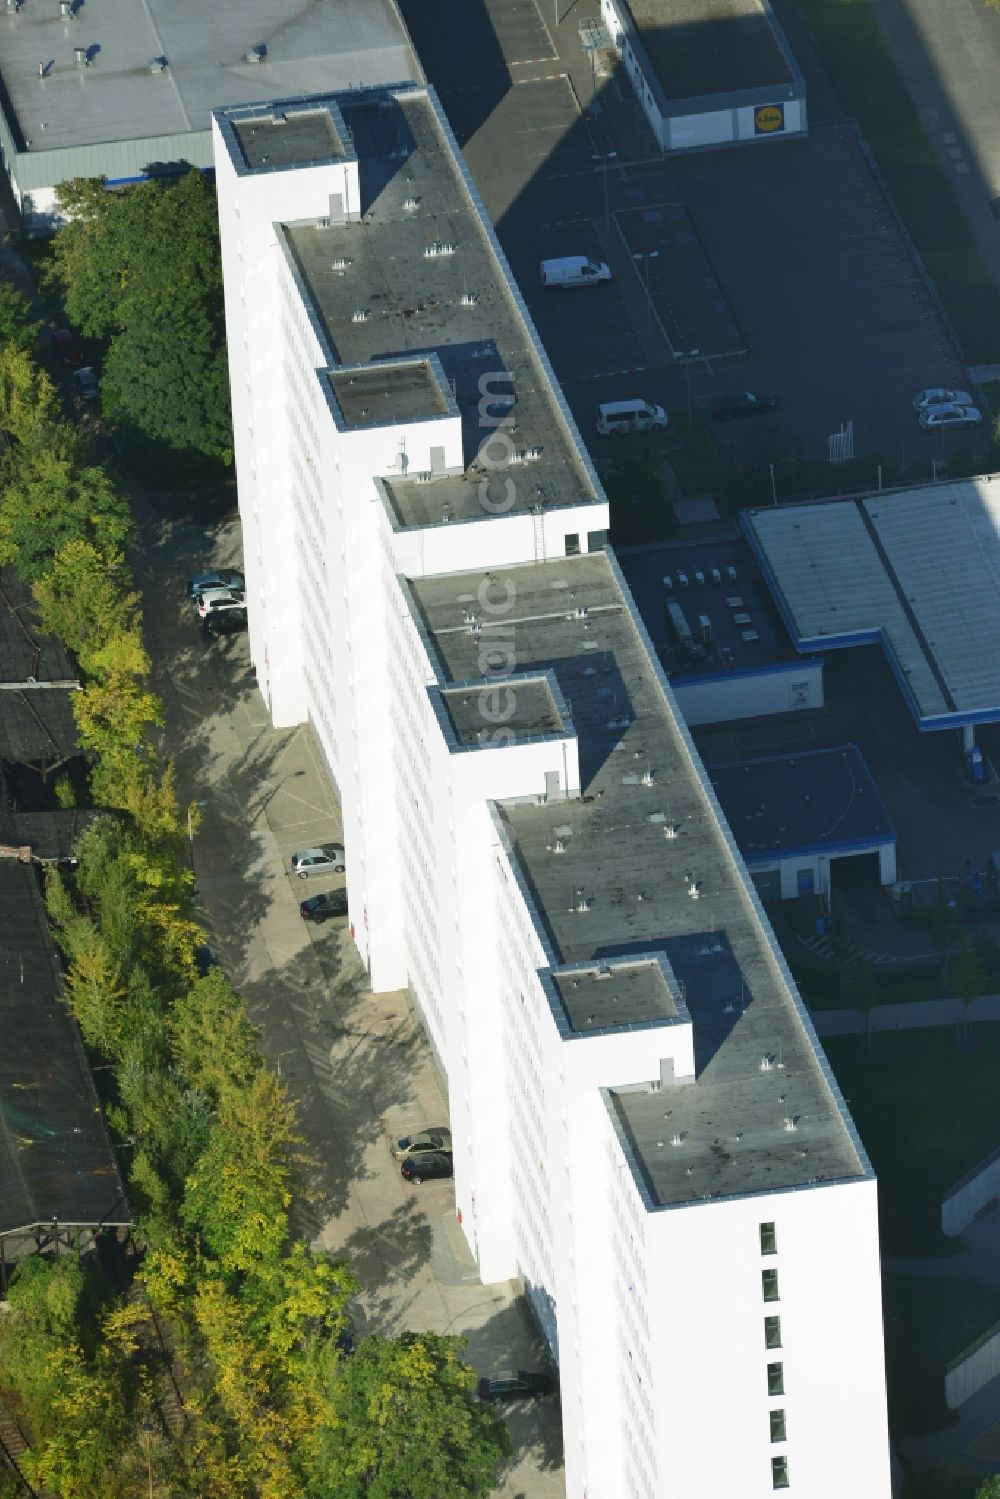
[(779, 1472), (768, 1239), (572, 543), (769, 1284), (775, 1379), (777, 1426), (772, 1332)]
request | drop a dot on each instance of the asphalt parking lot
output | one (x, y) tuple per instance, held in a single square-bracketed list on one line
[(357, 1064), (810, 266)]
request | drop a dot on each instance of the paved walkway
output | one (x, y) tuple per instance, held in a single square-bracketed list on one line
[(914, 1015)]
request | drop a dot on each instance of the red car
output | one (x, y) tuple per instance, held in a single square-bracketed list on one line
[(67, 348)]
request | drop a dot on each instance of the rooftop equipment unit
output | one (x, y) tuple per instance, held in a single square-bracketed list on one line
[(705, 629), (668, 583), (255, 54)]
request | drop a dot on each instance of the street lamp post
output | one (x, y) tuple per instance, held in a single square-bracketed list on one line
[(604, 157), (684, 359), (645, 256)]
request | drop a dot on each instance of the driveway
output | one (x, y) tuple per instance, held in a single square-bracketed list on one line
[(357, 1064)]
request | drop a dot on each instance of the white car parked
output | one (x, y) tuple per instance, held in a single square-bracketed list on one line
[(327, 859), (214, 599)]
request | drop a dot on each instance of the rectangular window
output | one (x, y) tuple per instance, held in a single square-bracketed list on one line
[(775, 1379), (768, 1239), (772, 1332), (572, 543), (769, 1284), (777, 1426), (779, 1472)]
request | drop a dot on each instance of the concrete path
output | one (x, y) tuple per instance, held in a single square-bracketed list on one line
[(917, 1014)]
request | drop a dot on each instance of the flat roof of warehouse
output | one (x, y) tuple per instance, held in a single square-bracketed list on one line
[(746, 633), (699, 47), (822, 799), (308, 47), (916, 571), (640, 863), (56, 1161)]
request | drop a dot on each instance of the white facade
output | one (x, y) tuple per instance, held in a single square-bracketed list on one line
[(489, 705), (750, 694)]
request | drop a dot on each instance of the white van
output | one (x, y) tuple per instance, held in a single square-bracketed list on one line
[(630, 416), (574, 270)]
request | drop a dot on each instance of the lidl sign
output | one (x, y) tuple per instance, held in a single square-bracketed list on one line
[(769, 118)]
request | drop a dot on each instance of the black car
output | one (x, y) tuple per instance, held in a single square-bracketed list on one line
[(742, 403), (322, 907), (224, 577), (425, 1166), (224, 622), (524, 1385)]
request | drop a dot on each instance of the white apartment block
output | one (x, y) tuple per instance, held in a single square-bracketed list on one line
[(646, 1130)]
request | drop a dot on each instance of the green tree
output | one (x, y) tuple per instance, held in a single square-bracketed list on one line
[(18, 324), (83, 599), (50, 502), (403, 1423), (165, 371), (27, 396)]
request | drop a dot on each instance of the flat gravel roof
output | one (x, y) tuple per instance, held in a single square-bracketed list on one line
[(640, 864), (702, 47), (823, 799)]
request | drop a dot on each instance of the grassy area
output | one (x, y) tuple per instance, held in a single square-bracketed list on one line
[(696, 463), (926, 1111), (927, 1322), (870, 87)]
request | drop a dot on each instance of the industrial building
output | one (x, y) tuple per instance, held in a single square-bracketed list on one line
[(708, 74), (916, 572), (717, 633), (646, 1131), (109, 88), (795, 816)]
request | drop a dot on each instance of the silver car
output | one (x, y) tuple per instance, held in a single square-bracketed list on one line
[(942, 418), (425, 1139), (328, 858), (936, 396), (214, 599)]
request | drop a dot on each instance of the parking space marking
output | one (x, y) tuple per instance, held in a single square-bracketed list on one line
[(520, 31)]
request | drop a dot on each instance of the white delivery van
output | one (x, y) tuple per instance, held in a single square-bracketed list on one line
[(630, 416), (574, 270)]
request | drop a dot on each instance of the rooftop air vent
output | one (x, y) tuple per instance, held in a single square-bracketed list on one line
[(439, 247), (790, 1123), (470, 299), (559, 847), (255, 54), (81, 56), (672, 830), (676, 1140), (694, 889), (422, 476), (580, 903), (341, 263), (766, 1063), (156, 65), (648, 777), (411, 204), (361, 315)]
